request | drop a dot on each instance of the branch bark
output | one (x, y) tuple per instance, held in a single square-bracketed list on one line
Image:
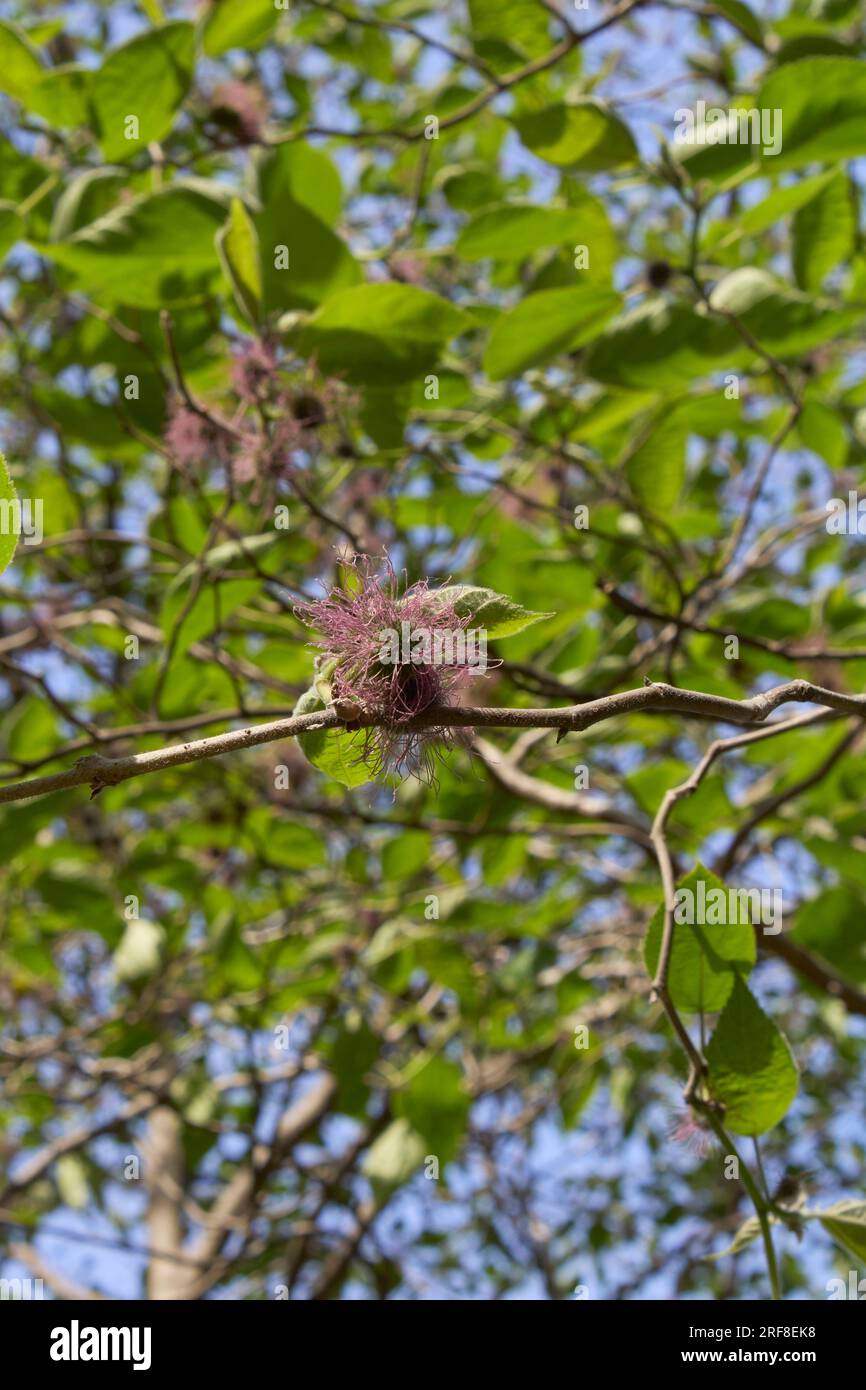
[(653, 697)]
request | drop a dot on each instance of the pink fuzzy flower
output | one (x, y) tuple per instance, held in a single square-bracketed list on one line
[(408, 269), (248, 462), (192, 440), (253, 370), (387, 639), (245, 108), (288, 435), (689, 1131)]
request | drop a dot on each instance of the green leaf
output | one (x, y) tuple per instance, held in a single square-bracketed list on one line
[(499, 616), (776, 618), (659, 344), (352, 1055), (823, 105), (299, 173), (394, 1157), (384, 413), (436, 1104), (656, 469), (140, 950), (303, 262), (62, 96), (212, 607), (544, 325), (70, 1174), (333, 751), (219, 556), (720, 145), (784, 321), (381, 334), (751, 1069), (511, 232), (10, 516), (290, 846), (585, 135), (21, 68), (30, 727), (406, 854), (823, 232), (834, 11), (705, 958), (19, 174), (238, 247), (152, 251), (11, 228), (830, 926), (87, 197), (146, 78), (36, 959), (770, 211), (742, 18), (845, 1221), (239, 967), (749, 1231), (527, 30), (846, 858), (238, 24), (298, 197), (821, 429)]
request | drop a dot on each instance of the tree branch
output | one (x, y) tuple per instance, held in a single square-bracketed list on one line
[(654, 697)]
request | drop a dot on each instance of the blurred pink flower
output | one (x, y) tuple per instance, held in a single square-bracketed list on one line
[(192, 439), (689, 1131), (246, 108), (253, 370), (247, 463), (409, 269)]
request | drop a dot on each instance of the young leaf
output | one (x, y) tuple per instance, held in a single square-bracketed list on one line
[(748, 1232), (499, 616), (333, 751)]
